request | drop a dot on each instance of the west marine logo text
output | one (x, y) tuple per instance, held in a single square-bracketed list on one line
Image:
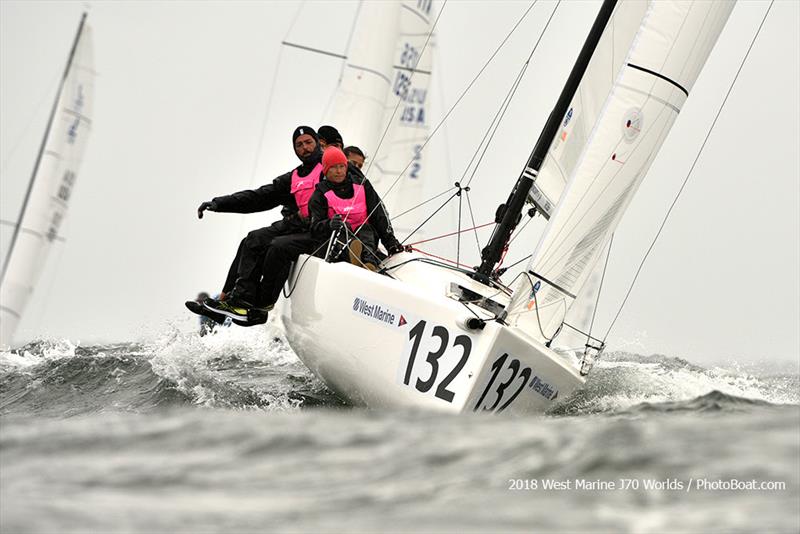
[(543, 388), (377, 312)]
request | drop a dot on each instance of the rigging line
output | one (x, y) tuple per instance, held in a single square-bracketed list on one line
[(513, 91), (268, 109), (303, 266), (399, 98), (600, 289), (461, 97), (459, 269), (474, 226), (555, 259), (315, 50), (517, 263), (47, 92), (536, 305), (493, 124), (344, 62), (516, 235), (388, 125), (423, 203), (426, 220), (689, 174), (458, 237), (271, 93), (450, 234), (436, 60), (42, 149)]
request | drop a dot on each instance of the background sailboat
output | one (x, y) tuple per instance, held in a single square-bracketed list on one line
[(382, 100), (54, 176)]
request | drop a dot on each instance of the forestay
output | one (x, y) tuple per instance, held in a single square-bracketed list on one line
[(672, 42), (387, 61), (52, 184)]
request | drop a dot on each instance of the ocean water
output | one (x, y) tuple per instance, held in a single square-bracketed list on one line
[(230, 433)]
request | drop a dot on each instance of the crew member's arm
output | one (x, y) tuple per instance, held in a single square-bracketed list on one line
[(379, 220), (318, 213), (264, 198)]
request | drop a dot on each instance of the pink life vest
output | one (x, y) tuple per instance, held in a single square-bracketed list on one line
[(353, 209), (303, 187)]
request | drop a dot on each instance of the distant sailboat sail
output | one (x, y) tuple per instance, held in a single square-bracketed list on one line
[(671, 43), (387, 60), (51, 185)]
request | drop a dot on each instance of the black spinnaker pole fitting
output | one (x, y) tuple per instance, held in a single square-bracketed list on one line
[(508, 215)]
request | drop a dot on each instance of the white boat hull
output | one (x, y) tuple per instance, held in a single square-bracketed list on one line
[(401, 342)]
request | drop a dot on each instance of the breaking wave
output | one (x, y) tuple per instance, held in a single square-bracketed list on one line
[(232, 368), (624, 382), (255, 369)]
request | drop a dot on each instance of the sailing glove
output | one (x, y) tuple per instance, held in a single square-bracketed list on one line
[(336, 222), (210, 206), (395, 248)]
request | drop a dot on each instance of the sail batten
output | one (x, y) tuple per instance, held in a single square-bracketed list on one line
[(608, 141)]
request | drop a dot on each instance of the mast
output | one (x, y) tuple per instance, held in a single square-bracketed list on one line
[(18, 226), (509, 214)]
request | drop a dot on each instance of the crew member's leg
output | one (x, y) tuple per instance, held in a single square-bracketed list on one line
[(278, 262), (252, 252), (369, 246), (230, 280)]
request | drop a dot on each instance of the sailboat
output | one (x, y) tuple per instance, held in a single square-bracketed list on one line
[(50, 188), (424, 334)]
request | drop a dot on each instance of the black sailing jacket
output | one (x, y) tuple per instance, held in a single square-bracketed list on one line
[(266, 197), (378, 218)]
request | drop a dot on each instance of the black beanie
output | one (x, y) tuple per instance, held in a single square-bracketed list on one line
[(330, 134), (303, 130)]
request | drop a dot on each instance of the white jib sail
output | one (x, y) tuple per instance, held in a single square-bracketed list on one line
[(673, 41), (52, 187), (577, 124), (387, 62)]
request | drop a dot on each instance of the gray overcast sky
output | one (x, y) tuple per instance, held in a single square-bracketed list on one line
[(181, 95)]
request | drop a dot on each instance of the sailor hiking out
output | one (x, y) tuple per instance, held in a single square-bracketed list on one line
[(241, 299), (348, 181)]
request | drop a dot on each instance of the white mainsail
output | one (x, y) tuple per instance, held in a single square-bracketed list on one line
[(51, 186), (672, 42), (388, 60)]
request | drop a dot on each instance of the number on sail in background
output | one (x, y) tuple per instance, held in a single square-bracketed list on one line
[(432, 359), (416, 166)]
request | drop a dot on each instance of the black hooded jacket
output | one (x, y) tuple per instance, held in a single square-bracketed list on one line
[(266, 197), (378, 218)]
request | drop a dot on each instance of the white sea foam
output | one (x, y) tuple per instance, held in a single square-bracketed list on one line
[(36, 353), (624, 381), (193, 364)]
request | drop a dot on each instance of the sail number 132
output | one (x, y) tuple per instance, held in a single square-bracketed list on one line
[(437, 369)]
